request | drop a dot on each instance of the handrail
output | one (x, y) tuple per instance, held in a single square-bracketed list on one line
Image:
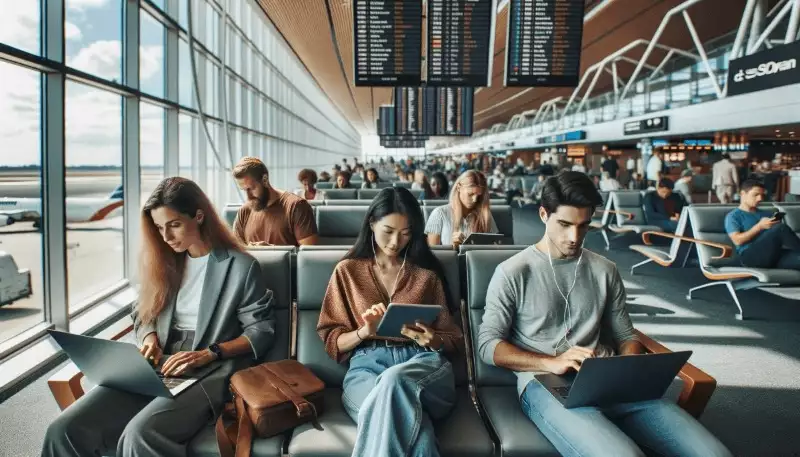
[(726, 249)]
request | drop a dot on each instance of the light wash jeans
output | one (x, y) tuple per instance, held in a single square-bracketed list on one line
[(658, 427), (393, 393)]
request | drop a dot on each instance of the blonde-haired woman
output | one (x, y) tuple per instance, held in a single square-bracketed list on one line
[(467, 212), (203, 301)]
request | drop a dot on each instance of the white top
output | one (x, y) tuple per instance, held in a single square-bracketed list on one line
[(630, 164), (440, 222), (653, 168), (579, 167), (187, 305), (609, 185)]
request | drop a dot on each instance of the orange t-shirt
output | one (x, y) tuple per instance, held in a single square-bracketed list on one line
[(285, 222)]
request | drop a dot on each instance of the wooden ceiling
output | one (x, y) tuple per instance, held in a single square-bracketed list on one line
[(321, 34)]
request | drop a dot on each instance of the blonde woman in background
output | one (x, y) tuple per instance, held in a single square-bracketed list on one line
[(467, 212)]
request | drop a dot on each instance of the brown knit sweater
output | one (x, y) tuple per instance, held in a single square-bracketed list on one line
[(353, 289)]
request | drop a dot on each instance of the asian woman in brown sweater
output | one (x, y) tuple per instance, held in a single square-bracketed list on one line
[(394, 387)]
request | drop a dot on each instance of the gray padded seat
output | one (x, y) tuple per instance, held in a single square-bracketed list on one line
[(405, 184), (229, 213), (497, 387), (369, 194), (276, 268), (708, 224), (324, 185), (792, 218), (436, 202), (663, 255), (348, 202), (462, 434), (630, 201), (339, 225), (341, 194), (502, 218)]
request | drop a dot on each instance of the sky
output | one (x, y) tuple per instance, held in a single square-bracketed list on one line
[(93, 116)]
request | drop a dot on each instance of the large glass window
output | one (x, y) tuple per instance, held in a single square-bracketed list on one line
[(97, 49), (151, 149), (19, 25), (186, 82), (21, 294), (185, 146), (93, 152), (151, 56)]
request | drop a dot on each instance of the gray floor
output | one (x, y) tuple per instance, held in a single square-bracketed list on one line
[(755, 410)]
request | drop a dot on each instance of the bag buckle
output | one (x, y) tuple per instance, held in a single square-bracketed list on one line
[(305, 409)]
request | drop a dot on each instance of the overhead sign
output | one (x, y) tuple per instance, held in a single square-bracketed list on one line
[(454, 111), (386, 120), (543, 43), (387, 42), (653, 124), (774, 67), (415, 110), (575, 135), (401, 141), (460, 42)]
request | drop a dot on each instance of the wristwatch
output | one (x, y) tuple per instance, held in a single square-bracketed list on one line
[(216, 350)]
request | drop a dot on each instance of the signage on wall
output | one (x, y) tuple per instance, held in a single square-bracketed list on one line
[(652, 124), (774, 67), (575, 135)]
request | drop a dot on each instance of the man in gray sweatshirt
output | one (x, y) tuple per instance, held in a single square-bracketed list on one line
[(555, 304)]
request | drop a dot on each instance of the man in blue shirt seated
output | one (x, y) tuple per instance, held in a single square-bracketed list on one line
[(761, 240), (663, 207)]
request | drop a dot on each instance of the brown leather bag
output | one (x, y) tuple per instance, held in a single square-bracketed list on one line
[(271, 398)]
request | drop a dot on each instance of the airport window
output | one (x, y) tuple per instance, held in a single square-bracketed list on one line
[(186, 81), (21, 296), (93, 152), (210, 102), (151, 147), (151, 56), (19, 25), (183, 13), (158, 3), (212, 27), (185, 146), (96, 48)]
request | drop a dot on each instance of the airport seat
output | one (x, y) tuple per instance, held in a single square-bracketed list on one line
[(405, 184), (229, 212), (324, 185), (340, 225), (708, 225), (502, 218), (661, 255), (626, 214), (461, 434), (496, 387), (341, 194), (348, 202), (276, 267)]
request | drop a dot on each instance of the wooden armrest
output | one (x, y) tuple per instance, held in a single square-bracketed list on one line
[(625, 214), (727, 250), (697, 385), (66, 383)]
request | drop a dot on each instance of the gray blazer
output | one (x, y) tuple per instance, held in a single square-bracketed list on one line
[(235, 301)]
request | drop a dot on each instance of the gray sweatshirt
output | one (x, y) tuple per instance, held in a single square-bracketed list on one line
[(524, 308)]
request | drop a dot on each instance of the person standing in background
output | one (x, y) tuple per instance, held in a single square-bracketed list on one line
[(654, 169), (630, 167), (683, 186), (725, 179), (611, 166)]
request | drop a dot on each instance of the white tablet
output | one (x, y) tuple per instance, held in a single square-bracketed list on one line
[(399, 314)]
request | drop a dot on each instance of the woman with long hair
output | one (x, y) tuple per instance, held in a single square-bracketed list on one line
[(343, 180), (371, 179), (394, 386), (203, 303), (439, 186), (467, 212)]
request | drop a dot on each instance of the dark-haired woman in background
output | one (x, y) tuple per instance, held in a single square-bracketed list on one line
[(307, 178), (440, 186), (342, 180), (468, 212), (202, 300), (371, 179), (394, 386)]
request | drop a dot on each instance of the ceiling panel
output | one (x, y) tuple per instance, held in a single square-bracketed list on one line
[(324, 43)]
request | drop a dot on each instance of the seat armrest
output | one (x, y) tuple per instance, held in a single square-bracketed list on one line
[(698, 386), (727, 250), (66, 383), (625, 214)]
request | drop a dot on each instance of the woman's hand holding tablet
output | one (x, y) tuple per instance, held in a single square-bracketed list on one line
[(372, 318), (399, 315)]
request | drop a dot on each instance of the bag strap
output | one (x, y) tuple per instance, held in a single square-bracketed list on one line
[(242, 428), (304, 407)]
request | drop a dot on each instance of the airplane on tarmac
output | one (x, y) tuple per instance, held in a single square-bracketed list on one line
[(78, 209)]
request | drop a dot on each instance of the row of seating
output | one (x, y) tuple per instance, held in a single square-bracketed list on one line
[(340, 225), (356, 184), (702, 226), (487, 420)]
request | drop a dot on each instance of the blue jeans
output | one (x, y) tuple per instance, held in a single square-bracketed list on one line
[(393, 393), (659, 426), (777, 247)]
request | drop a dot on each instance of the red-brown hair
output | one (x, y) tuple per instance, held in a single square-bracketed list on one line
[(161, 268), (481, 222)]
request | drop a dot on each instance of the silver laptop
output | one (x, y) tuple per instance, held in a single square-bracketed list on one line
[(121, 366), (607, 381)]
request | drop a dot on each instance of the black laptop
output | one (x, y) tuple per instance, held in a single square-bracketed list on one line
[(121, 366), (607, 381)]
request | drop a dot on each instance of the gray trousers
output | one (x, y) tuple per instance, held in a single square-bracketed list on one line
[(106, 421)]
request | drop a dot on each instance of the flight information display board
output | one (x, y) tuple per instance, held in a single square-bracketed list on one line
[(387, 42), (402, 142), (415, 110), (386, 120), (460, 41), (454, 111), (543, 46)]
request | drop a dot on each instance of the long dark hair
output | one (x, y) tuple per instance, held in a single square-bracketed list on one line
[(401, 201), (161, 268)]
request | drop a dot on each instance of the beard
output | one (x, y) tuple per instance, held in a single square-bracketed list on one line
[(260, 203)]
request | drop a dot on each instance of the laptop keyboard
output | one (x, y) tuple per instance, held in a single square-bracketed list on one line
[(171, 382), (563, 390)]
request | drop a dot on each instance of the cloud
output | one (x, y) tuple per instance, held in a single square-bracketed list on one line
[(82, 5), (19, 24), (71, 31), (101, 58), (19, 115), (151, 61)]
